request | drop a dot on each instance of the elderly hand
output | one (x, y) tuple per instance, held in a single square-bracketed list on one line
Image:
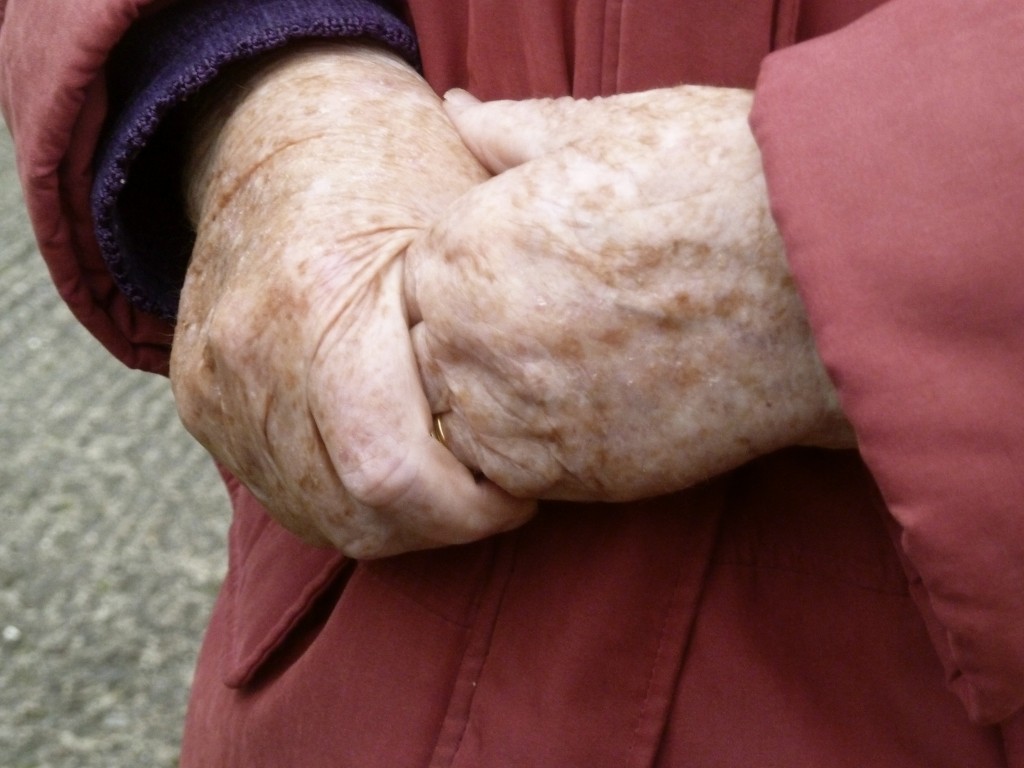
[(611, 316), (292, 361)]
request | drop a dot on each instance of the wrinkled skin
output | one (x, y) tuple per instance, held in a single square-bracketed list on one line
[(292, 360), (608, 317), (612, 317)]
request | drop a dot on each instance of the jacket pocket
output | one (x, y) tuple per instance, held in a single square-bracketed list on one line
[(274, 580)]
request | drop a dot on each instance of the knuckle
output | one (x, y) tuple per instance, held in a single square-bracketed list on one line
[(523, 469), (191, 402), (195, 390), (226, 337), (189, 413), (379, 480)]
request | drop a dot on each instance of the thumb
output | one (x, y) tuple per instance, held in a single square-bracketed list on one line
[(504, 134)]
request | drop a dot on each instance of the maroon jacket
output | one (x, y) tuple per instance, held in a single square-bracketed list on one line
[(811, 608)]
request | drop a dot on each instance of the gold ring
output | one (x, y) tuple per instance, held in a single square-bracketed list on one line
[(438, 433)]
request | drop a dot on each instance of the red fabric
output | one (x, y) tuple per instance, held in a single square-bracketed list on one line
[(591, 47), (910, 267), (764, 619), (807, 641), (53, 103)]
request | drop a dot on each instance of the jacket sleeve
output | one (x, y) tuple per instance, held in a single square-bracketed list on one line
[(894, 151), (55, 99), (144, 238)]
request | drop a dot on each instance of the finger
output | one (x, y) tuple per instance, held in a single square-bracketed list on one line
[(375, 423), (435, 387), (452, 431), (504, 134), (429, 500), (426, 265), (419, 263), (449, 504)]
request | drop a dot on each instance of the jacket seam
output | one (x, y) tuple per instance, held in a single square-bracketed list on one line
[(474, 656), (643, 714)]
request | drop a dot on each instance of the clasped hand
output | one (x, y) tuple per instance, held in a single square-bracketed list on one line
[(292, 362), (611, 316), (608, 317)]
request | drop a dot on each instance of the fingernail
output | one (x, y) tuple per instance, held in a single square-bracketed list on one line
[(459, 98)]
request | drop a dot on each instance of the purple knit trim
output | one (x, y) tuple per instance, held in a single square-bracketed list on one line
[(140, 223)]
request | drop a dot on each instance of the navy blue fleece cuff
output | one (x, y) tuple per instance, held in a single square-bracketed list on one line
[(163, 60)]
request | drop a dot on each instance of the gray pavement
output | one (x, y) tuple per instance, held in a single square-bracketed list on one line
[(112, 525)]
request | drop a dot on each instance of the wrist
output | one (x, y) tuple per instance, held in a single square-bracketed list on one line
[(350, 93)]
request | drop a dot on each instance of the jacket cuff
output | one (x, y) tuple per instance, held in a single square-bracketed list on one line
[(892, 151), (165, 59)]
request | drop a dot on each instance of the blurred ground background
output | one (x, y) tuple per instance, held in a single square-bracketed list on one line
[(112, 526)]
